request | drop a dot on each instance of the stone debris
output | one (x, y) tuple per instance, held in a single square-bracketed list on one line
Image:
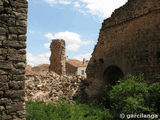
[(51, 87)]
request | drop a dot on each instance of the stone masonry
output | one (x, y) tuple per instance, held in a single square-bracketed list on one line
[(129, 42), (13, 24), (57, 58)]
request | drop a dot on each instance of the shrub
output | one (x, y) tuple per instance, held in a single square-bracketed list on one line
[(129, 96), (154, 97)]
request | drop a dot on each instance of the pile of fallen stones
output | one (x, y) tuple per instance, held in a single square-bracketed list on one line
[(50, 87)]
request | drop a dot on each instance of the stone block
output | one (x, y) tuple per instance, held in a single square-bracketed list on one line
[(20, 65), (12, 37), (20, 16), (21, 23), (4, 101), (16, 85), (1, 3), (22, 10), (15, 93), (14, 107), (18, 57), (18, 77), (3, 38), (18, 4), (6, 117), (5, 65), (18, 71), (3, 31), (15, 44), (2, 108), (3, 72), (1, 94), (22, 37), (1, 8), (17, 30), (4, 86), (4, 78)]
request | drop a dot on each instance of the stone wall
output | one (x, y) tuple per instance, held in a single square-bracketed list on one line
[(70, 69), (129, 42), (13, 24), (57, 58)]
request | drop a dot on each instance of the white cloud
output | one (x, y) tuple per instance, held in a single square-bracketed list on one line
[(100, 8), (73, 47), (69, 37), (87, 56), (103, 8), (39, 59), (72, 39), (47, 45), (76, 4), (52, 2), (65, 2), (49, 36)]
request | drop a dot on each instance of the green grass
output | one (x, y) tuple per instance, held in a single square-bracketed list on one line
[(65, 111)]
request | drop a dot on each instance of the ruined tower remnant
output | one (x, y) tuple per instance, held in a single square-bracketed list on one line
[(13, 24), (57, 59), (129, 42)]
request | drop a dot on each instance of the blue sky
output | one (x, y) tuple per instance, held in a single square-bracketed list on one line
[(78, 22)]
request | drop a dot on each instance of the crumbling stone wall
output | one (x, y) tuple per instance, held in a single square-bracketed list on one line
[(129, 42), (13, 22), (57, 58)]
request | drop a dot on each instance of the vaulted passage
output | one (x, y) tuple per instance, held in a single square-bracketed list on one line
[(112, 74)]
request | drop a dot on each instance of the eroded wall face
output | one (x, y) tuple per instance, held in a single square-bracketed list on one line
[(13, 23), (57, 58), (130, 40)]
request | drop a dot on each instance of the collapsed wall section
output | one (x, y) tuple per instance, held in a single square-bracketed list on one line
[(130, 42), (13, 24)]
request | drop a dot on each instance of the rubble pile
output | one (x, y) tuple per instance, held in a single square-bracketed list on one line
[(50, 87)]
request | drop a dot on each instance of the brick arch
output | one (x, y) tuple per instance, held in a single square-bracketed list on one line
[(112, 74)]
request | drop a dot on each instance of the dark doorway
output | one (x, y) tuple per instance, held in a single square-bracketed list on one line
[(112, 74)]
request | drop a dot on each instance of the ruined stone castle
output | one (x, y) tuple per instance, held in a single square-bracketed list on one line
[(129, 42)]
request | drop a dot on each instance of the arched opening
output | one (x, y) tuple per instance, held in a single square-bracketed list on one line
[(112, 74)]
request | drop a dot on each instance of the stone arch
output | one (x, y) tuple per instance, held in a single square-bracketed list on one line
[(112, 74)]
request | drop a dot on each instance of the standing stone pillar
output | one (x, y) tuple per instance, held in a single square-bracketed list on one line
[(13, 27), (57, 58)]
